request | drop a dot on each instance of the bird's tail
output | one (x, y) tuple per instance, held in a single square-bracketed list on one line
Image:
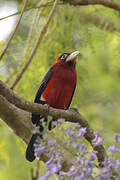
[(30, 156), (30, 151)]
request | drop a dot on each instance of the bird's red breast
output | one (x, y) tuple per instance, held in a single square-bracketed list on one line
[(59, 89)]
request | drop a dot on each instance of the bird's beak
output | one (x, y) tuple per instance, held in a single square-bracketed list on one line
[(72, 56)]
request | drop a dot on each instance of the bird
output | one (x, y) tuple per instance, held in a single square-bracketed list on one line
[(56, 90)]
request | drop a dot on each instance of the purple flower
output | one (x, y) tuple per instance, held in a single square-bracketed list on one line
[(45, 177), (82, 132), (73, 171), (54, 168), (77, 145), (51, 142), (82, 176), (112, 149), (99, 141), (92, 156), (70, 133), (105, 173), (105, 170), (117, 166), (88, 163), (77, 126), (82, 149), (78, 178), (50, 161), (89, 172), (72, 168), (116, 137), (39, 150), (79, 160), (105, 176), (111, 160), (96, 134)]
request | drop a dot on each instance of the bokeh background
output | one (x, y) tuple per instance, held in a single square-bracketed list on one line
[(95, 32)]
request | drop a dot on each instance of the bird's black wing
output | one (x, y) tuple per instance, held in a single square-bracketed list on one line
[(43, 85), (35, 117), (30, 156), (71, 96)]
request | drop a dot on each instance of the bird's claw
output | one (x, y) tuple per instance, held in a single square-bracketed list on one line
[(47, 106)]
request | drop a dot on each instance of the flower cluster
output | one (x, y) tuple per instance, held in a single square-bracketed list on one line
[(97, 140), (85, 162)]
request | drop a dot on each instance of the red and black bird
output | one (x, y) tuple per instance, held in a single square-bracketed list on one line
[(56, 89)]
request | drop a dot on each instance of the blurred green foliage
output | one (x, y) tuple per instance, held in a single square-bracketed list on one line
[(98, 89)]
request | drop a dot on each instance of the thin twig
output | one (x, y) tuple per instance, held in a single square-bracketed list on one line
[(10, 76), (42, 33), (32, 175), (32, 30), (37, 171), (13, 33), (28, 9), (26, 49)]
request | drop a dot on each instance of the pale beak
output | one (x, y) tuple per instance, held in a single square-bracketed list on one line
[(72, 56)]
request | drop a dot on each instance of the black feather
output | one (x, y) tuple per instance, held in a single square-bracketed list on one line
[(30, 156), (37, 117), (71, 96)]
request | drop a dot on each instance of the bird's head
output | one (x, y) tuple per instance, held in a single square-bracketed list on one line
[(69, 58)]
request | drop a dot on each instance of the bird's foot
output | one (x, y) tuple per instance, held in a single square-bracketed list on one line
[(47, 107), (39, 125), (52, 124)]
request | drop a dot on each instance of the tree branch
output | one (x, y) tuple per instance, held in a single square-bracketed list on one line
[(13, 33), (18, 120), (45, 111), (106, 3), (42, 33), (100, 21)]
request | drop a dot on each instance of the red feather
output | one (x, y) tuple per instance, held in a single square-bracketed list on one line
[(59, 89)]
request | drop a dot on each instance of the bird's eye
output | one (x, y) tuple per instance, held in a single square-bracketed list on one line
[(64, 57)]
